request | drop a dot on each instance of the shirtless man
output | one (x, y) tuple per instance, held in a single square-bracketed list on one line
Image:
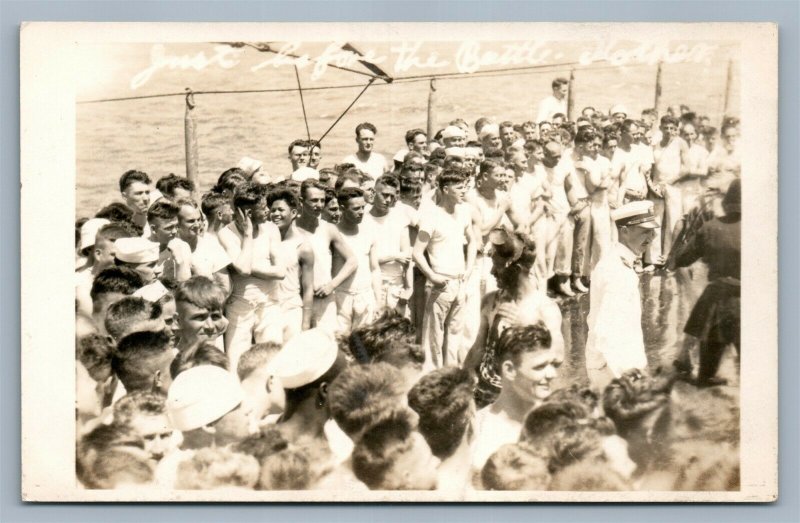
[(325, 239), (209, 258), (294, 293), (251, 242), (595, 169), (357, 296), (670, 165), (135, 189)]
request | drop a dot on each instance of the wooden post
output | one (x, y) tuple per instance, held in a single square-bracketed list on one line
[(432, 110), (657, 100), (571, 95), (190, 136), (728, 86)]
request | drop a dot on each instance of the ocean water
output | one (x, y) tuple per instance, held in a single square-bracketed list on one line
[(148, 134)]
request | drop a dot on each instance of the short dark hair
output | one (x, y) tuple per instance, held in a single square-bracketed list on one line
[(146, 402), (450, 177), (114, 231), (201, 292), (380, 446), (350, 193), (310, 183), (515, 466), (162, 210), (514, 341), (558, 82), (298, 143), (130, 308), (256, 356), (229, 180), (667, 119), (128, 361), (389, 180), (365, 344), (362, 394), (130, 177), (410, 135), (203, 354), (94, 352), (365, 125), (347, 176), (167, 184), (585, 135), (247, 194), (551, 417), (121, 280), (285, 195), (487, 166), (116, 212), (442, 399), (409, 185), (211, 201)]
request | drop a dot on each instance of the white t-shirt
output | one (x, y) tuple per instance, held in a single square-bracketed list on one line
[(209, 256), (550, 106), (390, 231), (375, 166), (448, 234)]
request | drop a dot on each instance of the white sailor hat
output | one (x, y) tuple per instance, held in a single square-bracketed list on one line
[(249, 165), (619, 108), (489, 129), (453, 131), (152, 292), (459, 152), (89, 231), (136, 250), (304, 173), (305, 358), (635, 213), (201, 395)]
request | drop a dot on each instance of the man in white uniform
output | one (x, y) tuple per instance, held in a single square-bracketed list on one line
[(615, 342)]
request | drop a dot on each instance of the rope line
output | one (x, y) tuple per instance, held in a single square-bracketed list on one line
[(508, 71), (302, 102), (372, 80)]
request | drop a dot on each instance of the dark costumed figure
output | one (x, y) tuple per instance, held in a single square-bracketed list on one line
[(715, 318)]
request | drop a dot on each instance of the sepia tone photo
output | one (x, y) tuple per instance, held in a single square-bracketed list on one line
[(400, 262)]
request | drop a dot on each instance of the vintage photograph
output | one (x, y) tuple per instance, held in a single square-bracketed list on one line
[(496, 264)]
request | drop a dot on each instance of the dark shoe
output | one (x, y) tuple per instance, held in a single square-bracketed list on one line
[(682, 367), (711, 382)]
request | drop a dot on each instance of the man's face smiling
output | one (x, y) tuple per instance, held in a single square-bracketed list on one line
[(198, 324), (281, 214), (532, 376)]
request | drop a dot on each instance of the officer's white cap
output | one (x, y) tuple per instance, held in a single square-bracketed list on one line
[(201, 395), (136, 250), (89, 231), (305, 358), (635, 213), (490, 129), (452, 131)]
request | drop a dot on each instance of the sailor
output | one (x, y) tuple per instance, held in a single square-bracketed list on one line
[(615, 342)]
